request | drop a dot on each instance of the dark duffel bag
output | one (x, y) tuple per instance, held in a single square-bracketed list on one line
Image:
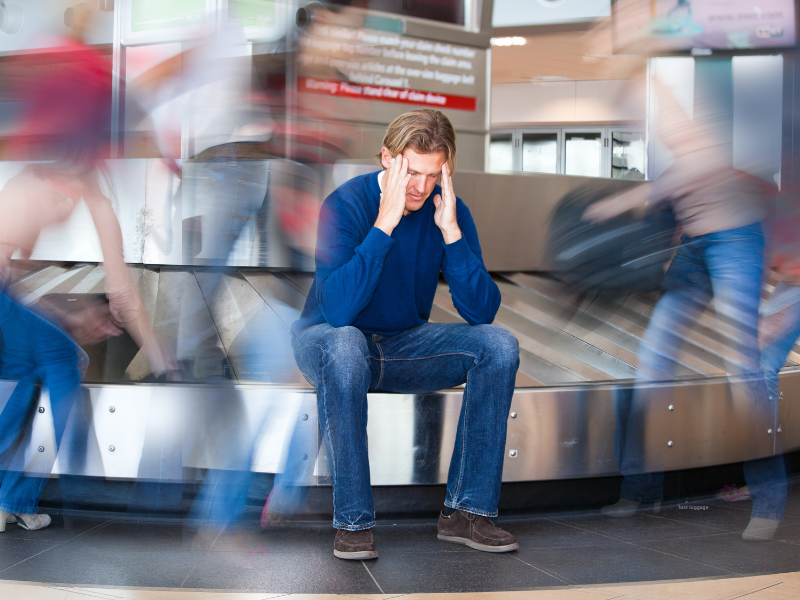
[(627, 253)]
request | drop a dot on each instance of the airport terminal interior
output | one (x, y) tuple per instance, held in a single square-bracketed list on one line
[(557, 106)]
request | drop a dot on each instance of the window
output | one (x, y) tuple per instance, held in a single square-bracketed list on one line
[(611, 151)]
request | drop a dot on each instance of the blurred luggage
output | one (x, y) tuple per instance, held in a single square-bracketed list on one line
[(628, 253)]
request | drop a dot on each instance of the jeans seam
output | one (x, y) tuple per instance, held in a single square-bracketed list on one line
[(473, 356), (332, 466), (474, 511), (382, 363), (369, 525), (463, 435)]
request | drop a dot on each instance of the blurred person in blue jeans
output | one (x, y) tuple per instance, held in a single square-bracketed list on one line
[(721, 256), (384, 238), (225, 190), (64, 121)]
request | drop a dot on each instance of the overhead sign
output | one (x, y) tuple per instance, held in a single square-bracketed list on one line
[(375, 65), (150, 15), (664, 26)]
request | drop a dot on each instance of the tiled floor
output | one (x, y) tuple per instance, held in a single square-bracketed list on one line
[(566, 552)]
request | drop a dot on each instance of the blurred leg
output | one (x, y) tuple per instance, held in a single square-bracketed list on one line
[(34, 350), (686, 294)]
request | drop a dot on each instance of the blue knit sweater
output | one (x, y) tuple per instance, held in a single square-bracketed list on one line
[(384, 285)]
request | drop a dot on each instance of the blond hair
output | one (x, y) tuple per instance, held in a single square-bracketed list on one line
[(425, 131)]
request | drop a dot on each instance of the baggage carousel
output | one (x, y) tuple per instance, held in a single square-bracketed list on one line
[(574, 356)]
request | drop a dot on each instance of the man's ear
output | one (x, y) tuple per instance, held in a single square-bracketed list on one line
[(386, 157)]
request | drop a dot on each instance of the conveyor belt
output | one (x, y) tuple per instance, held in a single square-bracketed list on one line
[(563, 415), (562, 340)]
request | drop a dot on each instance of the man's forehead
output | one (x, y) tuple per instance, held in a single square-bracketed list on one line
[(429, 164)]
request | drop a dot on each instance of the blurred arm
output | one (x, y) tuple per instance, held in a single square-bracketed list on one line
[(123, 300), (617, 204)]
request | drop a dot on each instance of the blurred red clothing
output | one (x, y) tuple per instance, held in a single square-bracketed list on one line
[(66, 110)]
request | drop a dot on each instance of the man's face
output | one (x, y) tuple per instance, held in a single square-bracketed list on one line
[(424, 170)]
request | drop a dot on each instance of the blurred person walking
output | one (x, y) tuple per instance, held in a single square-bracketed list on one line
[(209, 87), (721, 256), (65, 120)]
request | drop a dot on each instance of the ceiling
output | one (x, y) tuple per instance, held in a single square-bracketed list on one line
[(581, 52)]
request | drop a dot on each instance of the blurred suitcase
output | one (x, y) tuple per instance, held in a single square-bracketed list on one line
[(628, 253)]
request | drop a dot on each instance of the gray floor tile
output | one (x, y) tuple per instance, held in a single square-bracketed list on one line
[(615, 563), (711, 517), (291, 539), (85, 565), (14, 550), (61, 529), (547, 533), (641, 527), (137, 534), (274, 572), (471, 571), (730, 552)]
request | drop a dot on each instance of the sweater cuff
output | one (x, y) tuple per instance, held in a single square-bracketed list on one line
[(376, 245), (458, 253)]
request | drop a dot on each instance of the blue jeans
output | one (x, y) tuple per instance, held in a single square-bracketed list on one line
[(766, 478), (34, 350), (728, 266), (344, 364)]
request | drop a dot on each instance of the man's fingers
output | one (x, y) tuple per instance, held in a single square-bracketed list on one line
[(391, 173), (403, 167), (437, 200)]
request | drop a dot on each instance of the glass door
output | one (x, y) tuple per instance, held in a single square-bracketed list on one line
[(627, 154), (501, 151), (583, 152), (540, 151)]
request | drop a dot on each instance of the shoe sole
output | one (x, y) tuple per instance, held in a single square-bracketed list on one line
[(362, 555), (476, 546)]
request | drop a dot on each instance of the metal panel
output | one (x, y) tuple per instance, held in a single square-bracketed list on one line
[(512, 212), (162, 215), (553, 433)]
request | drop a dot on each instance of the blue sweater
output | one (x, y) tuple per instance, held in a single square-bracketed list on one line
[(382, 284)]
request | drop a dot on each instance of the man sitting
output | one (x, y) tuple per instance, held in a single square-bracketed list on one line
[(383, 240)]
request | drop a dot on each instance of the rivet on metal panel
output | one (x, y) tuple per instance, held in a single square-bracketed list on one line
[(670, 444), (780, 395), (512, 453), (305, 417), (111, 409), (672, 407), (112, 448), (41, 409), (41, 448), (780, 429), (513, 415), (769, 431), (305, 456)]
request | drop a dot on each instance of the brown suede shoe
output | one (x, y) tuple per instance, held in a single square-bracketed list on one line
[(354, 545), (475, 531)]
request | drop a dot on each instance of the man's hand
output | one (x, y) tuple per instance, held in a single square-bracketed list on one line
[(393, 198), (445, 215)]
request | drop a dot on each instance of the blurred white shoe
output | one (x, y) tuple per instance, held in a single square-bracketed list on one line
[(623, 508), (29, 522), (760, 530), (6, 518)]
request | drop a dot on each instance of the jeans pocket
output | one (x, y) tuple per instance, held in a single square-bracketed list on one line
[(307, 377)]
